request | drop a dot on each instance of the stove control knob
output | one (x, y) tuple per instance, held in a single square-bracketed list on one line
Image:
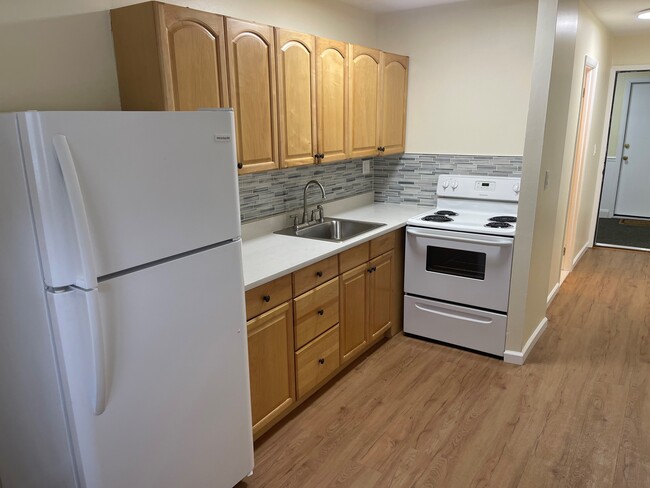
[(515, 187), (445, 184), (454, 184)]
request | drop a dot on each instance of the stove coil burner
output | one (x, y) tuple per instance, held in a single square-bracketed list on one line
[(503, 218), (498, 225), (437, 218), (448, 213)]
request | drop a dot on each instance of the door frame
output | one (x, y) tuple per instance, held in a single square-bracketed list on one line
[(589, 77), (605, 139)]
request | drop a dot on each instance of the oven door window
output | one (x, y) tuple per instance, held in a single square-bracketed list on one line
[(456, 262)]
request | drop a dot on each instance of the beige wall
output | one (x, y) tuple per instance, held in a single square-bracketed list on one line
[(545, 135), (58, 55), (593, 41), (470, 73), (631, 50)]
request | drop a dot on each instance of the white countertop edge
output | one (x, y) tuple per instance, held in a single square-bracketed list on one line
[(271, 256)]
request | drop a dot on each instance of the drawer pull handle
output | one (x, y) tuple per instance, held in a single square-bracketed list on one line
[(319, 274), (321, 361), (266, 298), (372, 270), (321, 312)]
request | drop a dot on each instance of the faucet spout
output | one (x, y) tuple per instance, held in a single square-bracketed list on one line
[(304, 195)]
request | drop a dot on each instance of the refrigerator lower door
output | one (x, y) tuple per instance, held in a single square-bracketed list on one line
[(176, 375)]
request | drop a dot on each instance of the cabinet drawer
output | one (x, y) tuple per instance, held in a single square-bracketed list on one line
[(316, 274), (354, 257), (382, 244), (317, 360), (265, 297), (316, 311)]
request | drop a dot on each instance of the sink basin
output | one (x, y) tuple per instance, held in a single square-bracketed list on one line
[(336, 230)]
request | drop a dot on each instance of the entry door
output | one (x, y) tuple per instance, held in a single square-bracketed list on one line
[(633, 197)]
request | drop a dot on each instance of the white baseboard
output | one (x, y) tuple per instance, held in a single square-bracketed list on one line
[(519, 358), (580, 254), (551, 295)]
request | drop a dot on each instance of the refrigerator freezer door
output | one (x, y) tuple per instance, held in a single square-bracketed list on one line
[(141, 186), (176, 373)]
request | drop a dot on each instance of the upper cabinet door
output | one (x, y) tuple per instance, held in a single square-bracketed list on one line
[(193, 58), (296, 97), (394, 76), (251, 75), (364, 101), (332, 99)]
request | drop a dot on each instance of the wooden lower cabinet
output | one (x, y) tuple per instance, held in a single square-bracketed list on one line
[(327, 320), (271, 365), (380, 280), (354, 311), (316, 361)]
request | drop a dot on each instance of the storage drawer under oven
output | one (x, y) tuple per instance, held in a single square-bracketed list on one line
[(453, 324), (470, 269)]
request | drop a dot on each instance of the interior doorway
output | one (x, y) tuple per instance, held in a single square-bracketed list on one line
[(624, 210), (584, 123)]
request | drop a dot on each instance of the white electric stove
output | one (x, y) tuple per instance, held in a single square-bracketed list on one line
[(458, 263)]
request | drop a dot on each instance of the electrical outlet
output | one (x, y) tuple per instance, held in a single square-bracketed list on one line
[(366, 167)]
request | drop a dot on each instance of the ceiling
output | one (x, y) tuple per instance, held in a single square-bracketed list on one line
[(619, 16)]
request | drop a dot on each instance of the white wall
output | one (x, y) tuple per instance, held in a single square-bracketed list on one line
[(592, 40), (58, 55), (469, 77), (544, 146)]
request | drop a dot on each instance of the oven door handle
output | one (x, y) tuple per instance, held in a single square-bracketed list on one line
[(488, 241), (464, 317)]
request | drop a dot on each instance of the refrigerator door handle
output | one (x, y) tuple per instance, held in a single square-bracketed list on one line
[(88, 280), (98, 397)]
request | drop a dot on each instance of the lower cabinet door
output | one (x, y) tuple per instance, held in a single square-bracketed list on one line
[(317, 360), (379, 295), (354, 311), (271, 363)]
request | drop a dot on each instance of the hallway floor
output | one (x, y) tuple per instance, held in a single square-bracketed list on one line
[(418, 414)]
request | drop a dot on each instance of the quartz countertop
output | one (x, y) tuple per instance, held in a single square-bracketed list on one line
[(269, 256)]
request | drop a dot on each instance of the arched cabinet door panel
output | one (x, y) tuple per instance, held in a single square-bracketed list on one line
[(251, 77), (364, 101), (296, 97), (392, 114)]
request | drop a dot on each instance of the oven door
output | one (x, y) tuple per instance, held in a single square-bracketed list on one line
[(470, 269)]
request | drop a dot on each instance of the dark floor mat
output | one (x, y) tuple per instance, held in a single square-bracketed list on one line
[(612, 231)]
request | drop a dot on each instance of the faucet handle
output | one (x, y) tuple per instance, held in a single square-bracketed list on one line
[(321, 213), (295, 220)]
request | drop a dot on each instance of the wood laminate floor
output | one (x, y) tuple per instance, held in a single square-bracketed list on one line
[(418, 414)]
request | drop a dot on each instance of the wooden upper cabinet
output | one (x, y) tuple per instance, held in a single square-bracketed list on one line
[(251, 77), (296, 97), (364, 100), (169, 57), (392, 114), (332, 99)]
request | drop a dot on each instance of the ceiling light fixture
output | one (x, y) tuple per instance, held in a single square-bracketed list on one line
[(644, 14)]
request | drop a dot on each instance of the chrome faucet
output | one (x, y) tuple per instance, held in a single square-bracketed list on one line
[(304, 207)]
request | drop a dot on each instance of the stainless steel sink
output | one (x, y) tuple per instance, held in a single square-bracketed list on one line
[(331, 229)]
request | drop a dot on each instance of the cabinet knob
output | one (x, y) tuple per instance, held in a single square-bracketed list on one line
[(381, 148), (321, 156), (321, 312), (321, 361), (266, 298), (319, 274), (240, 165)]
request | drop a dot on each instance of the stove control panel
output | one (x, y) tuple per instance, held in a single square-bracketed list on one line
[(500, 188)]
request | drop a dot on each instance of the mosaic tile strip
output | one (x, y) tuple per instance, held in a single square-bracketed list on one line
[(279, 191), (412, 178)]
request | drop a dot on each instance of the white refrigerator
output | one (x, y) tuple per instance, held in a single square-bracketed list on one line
[(123, 352)]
